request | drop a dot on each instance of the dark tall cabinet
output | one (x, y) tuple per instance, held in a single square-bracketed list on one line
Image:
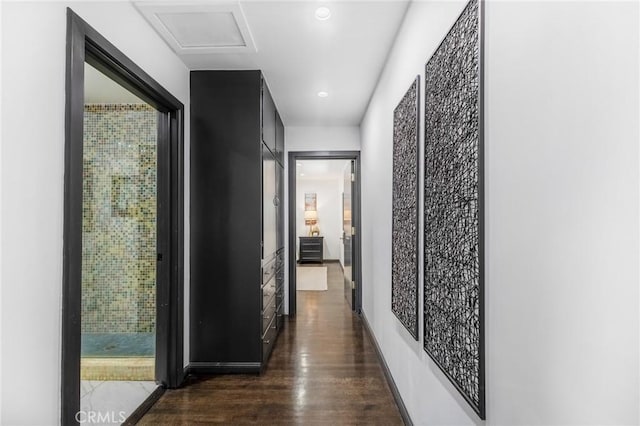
[(237, 222)]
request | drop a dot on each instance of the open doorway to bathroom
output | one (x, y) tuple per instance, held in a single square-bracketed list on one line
[(119, 240), (122, 315), (324, 248)]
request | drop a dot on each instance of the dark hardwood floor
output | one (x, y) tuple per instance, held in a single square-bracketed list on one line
[(323, 371)]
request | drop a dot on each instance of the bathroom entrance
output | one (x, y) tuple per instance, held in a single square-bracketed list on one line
[(122, 341), (119, 246)]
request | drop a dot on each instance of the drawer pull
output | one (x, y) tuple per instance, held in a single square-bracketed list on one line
[(266, 342)]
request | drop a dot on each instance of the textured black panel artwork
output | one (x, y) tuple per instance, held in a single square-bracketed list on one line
[(453, 260), (404, 253)]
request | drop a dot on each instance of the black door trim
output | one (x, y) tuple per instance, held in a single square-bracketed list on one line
[(85, 44), (294, 156)]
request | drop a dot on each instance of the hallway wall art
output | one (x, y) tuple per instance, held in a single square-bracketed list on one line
[(453, 209), (404, 252)]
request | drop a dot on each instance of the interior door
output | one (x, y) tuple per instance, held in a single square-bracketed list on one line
[(347, 239)]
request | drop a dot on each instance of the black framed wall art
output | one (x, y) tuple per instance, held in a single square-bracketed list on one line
[(404, 241), (453, 208)]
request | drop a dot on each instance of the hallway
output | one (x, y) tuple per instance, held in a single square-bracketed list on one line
[(323, 370)]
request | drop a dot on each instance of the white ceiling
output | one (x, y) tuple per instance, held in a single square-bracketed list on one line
[(301, 55), (321, 169)]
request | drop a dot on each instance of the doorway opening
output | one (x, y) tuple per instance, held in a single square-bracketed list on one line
[(123, 234), (119, 240), (324, 215)]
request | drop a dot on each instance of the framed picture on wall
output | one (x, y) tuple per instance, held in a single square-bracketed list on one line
[(310, 201)]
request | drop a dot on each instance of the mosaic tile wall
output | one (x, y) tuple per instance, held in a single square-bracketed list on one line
[(119, 218), (404, 253), (453, 326)]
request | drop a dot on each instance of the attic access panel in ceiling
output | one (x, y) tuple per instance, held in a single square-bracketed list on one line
[(199, 28)]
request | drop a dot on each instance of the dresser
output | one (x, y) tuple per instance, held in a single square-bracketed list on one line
[(237, 222), (311, 249)]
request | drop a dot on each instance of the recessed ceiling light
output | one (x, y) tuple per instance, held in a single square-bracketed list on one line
[(323, 13), (301, 174), (299, 164), (323, 94)]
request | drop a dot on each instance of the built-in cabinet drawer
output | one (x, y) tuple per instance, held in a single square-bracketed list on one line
[(269, 269), (280, 259), (268, 339), (268, 292), (279, 300), (268, 314), (279, 313)]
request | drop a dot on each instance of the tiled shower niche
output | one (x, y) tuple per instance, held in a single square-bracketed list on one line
[(119, 220)]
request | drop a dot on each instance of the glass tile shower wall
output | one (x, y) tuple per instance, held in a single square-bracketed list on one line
[(119, 240)]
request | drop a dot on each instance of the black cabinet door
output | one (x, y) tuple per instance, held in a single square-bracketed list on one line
[(269, 204), (225, 218), (268, 118), (279, 139), (236, 188), (280, 206)]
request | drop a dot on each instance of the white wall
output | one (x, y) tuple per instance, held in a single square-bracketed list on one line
[(563, 209), (33, 105), (1, 221), (329, 204), (562, 252), (345, 138)]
